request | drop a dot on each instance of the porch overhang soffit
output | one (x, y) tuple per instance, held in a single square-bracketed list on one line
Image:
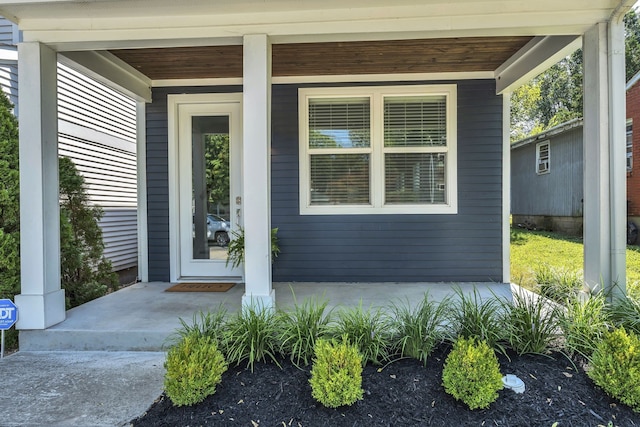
[(102, 36)]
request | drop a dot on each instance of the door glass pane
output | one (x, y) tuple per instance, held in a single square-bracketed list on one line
[(210, 184)]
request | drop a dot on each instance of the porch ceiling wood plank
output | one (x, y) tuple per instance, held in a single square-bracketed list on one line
[(398, 56), (185, 62), (337, 58)]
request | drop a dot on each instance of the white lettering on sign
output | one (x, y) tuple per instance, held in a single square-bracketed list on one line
[(6, 312)]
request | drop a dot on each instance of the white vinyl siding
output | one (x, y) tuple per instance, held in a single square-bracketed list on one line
[(9, 61), (543, 157), (378, 150), (97, 130), (87, 103), (7, 32), (9, 81)]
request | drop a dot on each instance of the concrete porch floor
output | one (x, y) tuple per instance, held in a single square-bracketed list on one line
[(142, 316)]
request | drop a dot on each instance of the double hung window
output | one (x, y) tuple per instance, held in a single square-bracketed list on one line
[(378, 150)]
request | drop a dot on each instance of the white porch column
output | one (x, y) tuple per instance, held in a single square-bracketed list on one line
[(506, 187), (604, 167), (256, 161), (141, 159), (41, 302)]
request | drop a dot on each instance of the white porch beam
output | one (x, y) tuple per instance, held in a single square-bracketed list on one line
[(535, 57), (604, 162), (41, 302), (111, 71), (256, 134)]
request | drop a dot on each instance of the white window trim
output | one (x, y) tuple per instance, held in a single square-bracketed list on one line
[(377, 150), (538, 145)]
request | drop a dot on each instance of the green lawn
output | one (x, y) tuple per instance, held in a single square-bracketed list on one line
[(532, 249)]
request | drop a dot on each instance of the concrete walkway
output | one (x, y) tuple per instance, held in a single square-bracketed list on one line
[(141, 317), (78, 388), (75, 385)]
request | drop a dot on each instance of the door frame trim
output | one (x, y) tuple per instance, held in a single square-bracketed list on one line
[(173, 104)]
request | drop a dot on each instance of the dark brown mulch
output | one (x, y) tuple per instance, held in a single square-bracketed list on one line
[(405, 393)]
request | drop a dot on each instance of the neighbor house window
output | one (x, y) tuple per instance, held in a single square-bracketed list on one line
[(378, 150), (543, 157), (629, 145)]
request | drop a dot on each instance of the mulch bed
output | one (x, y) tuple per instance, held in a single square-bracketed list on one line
[(404, 393)]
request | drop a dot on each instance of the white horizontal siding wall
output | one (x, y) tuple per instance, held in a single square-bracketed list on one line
[(97, 129), (9, 80), (9, 61), (8, 32)]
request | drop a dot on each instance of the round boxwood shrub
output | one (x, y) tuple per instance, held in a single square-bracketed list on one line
[(194, 369), (615, 367), (472, 373), (336, 375)]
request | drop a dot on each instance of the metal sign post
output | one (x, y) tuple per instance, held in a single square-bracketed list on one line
[(8, 317)]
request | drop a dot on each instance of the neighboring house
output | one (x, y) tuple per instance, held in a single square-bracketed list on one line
[(547, 182), (547, 179), (97, 130), (372, 134)]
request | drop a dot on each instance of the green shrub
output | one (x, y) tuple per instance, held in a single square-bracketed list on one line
[(558, 284), (531, 323), (210, 324), (368, 330), (472, 373), (252, 335), (336, 375), (420, 329), (85, 273), (472, 317), (9, 209), (625, 312), (584, 323), (615, 367), (194, 369), (301, 327)]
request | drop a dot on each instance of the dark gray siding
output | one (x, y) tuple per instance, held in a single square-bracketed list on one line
[(402, 248), (158, 177), (557, 193), (351, 248)]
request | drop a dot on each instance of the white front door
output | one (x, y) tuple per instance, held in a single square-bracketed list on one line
[(207, 202)]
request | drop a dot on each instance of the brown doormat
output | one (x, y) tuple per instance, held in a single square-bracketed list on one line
[(201, 287)]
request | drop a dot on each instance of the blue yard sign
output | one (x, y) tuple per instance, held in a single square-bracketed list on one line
[(8, 314)]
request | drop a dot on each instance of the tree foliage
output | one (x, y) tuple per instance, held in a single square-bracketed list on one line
[(217, 171), (556, 95), (9, 208), (85, 273), (632, 44)]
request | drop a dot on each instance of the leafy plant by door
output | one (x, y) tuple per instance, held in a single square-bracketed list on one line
[(236, 247)]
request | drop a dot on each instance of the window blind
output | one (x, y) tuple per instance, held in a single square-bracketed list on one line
[(415, 121), (415, 178), (340, 179), (339, 122)]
